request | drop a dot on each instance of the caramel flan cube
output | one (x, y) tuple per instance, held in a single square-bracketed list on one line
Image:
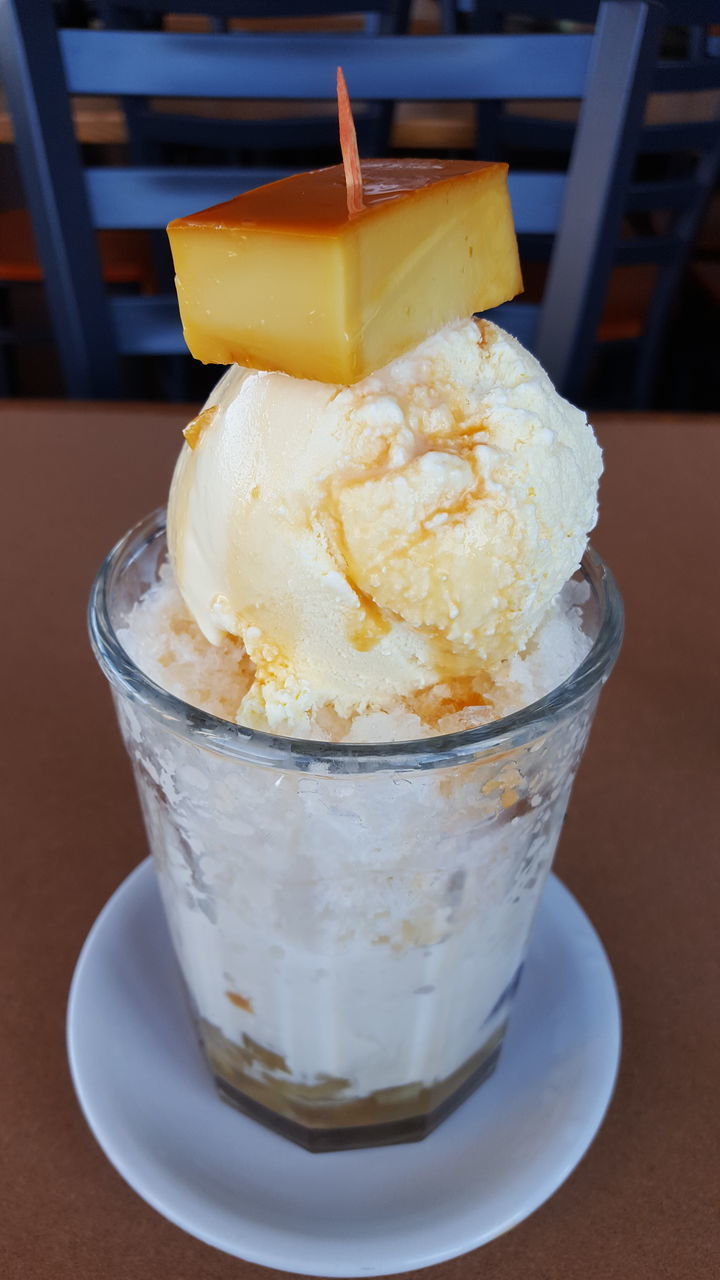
[(284, 278)]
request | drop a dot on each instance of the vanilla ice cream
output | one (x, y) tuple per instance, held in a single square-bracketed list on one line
[(388, 547)]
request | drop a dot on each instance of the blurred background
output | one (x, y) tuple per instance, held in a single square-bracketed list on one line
[(652, 293)]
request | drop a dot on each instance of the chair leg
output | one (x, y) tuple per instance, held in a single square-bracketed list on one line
[(646, 365), (600, 168)]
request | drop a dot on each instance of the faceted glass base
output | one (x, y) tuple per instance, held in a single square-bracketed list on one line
[(319, 1122)]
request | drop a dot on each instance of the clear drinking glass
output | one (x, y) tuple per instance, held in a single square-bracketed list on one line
[(351, 921)]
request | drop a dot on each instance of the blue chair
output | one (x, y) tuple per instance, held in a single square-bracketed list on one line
[(155, 133), (305, 140), (677, 162), (609, 71)]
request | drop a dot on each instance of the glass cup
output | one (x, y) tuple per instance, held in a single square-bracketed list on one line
[(350, 921)]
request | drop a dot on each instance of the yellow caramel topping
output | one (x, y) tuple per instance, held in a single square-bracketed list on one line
[(193, 431), (241, 1002)]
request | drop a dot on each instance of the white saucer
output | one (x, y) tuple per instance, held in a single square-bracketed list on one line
[(149, 1101)]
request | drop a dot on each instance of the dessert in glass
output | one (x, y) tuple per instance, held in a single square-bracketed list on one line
[(356, 674)]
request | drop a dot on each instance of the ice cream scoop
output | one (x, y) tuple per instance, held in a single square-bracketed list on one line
[(370, 544)]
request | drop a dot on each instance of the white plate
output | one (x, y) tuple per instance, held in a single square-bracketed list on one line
[(149, 1101)]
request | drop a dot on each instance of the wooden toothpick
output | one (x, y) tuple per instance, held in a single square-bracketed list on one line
[(349, 148)]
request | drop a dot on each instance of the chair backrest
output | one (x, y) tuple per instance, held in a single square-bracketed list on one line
[(678, 157), (379, 15), (610, 71), (678, 12), (155, 135), (667, 197)]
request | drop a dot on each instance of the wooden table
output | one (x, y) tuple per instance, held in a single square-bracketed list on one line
[(640, 850)]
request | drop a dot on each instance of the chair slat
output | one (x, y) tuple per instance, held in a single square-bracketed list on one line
[(519, 318), (232, 134), (242, 65), (661, 195), (536, 200), (147, 326), (150, 198), (681, 77), (691, 136), (261, 8), (657, 249)]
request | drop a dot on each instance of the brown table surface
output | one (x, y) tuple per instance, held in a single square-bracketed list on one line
[(640, 850)]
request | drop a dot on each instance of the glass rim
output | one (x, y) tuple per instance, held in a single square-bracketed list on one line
[(262, 748)]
